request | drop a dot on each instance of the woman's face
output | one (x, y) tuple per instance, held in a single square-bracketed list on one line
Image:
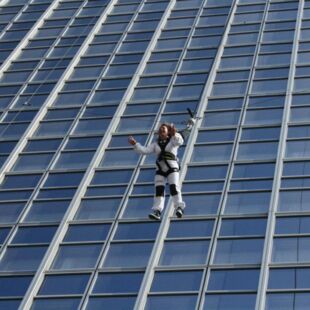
[(163, 132)]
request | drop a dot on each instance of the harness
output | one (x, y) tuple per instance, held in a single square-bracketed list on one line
[(165, 156)]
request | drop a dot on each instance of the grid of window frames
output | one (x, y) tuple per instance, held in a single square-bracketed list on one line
[(240, 234), (132, 234), (250, 183), (32, 76), (16, 19), (68, 136), (288, 282), (107, 246)]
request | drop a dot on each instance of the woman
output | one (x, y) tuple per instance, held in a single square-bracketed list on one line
[(166, 148)]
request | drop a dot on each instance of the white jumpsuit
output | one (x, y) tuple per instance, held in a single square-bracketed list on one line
[(172, 176)]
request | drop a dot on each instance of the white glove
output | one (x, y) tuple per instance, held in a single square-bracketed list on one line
[(191, 122)]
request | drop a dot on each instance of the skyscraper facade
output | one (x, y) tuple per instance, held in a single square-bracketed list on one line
[(77, 77)]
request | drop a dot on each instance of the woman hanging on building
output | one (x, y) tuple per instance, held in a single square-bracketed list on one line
[(166, 148)]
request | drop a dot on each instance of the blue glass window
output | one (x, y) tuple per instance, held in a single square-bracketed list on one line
[(56, 303), (22, 258), (177, 253), (176, 281), (3, 234), (297, 200), (291, 250), (136, 207), (169, 302), (239, 251), (253, 170), (293, 225), (77, 256), (98, 208), (32, 162), (14, 286), (74, 160), (243, 227), (180, 229), (229, 301), (20, 181), (63, 179), (136, 231), (64, 284), (206, 173), (212, 153), (10, 212), (128, 254), (235, 279), (43, 234), (115, 303), (289, 278), (262, 150), (238, 203), (47, 211), (118, 283), (202, 204), (93, 232)]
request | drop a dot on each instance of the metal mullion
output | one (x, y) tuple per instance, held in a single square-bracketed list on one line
[(89, 173), (156, 35), (263, 281), (234, 153), (145, 286)]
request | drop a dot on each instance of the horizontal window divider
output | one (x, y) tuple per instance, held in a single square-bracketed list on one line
[(294, 189), (173, 293), (288, 290), (178, 268), (249, 191), (101, 197), (25, 245), (289, 265), (180, 239), (69, 243), (213, 143), (38, 297), (129, 241), (294, 235), (120, 269), (257, 141), (187, 181), (114, 294), (28, 244), (198, 218), (213, 162), (240, 237), (223, 292), (77, 222), (300, 235), (256, 161), (234, 266)]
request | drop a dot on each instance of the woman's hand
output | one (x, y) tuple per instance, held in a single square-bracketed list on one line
[(173, 130), (132, 140)]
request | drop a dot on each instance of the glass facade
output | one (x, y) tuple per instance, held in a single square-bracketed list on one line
[(77, 77)]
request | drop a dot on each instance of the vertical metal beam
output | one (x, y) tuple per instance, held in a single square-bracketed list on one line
[(263, 281), (159, 243)]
